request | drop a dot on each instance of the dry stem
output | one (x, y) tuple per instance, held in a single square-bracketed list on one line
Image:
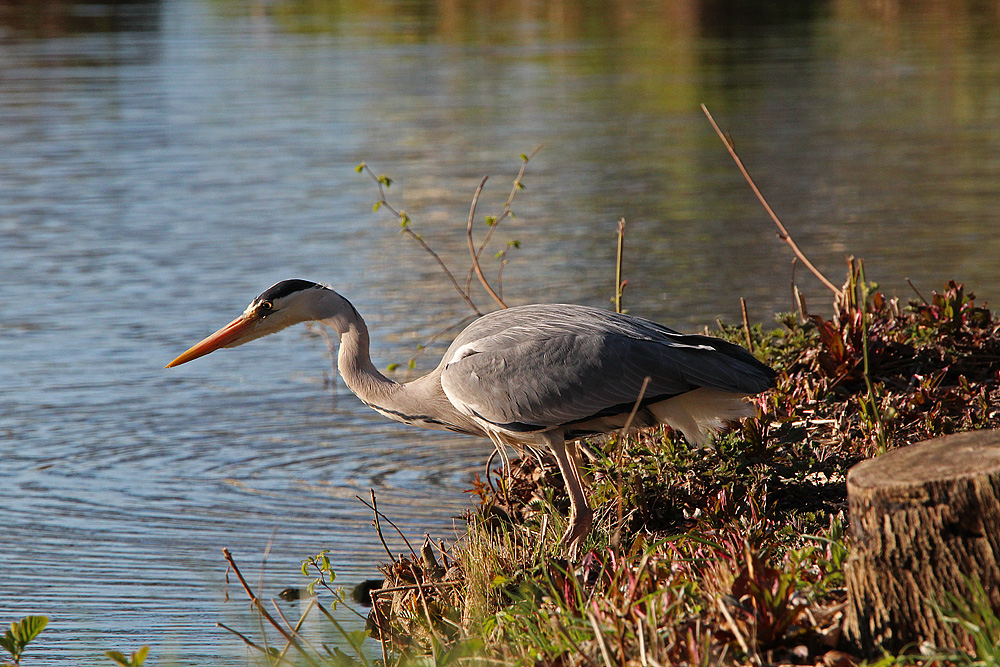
[(619, 256), (472, 250), (405, 223), (782, 232), (255, 601), (746, 324), (493, 227), (373, 506)]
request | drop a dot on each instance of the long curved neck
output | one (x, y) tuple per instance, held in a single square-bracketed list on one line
[(354, 359), (421, 402)]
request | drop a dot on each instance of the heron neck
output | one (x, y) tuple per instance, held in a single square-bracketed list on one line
[(354, 360), (420, 402)]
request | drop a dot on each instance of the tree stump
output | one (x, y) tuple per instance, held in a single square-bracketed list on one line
[(925, 520)]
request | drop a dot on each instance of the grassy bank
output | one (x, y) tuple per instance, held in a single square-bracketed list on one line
[(729, 555)]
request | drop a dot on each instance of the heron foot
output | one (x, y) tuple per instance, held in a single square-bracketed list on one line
[(581, 520)]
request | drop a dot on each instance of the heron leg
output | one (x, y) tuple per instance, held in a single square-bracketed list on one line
[(581, 517), (501, 449), (575, 450)]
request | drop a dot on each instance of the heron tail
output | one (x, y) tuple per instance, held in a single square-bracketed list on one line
[(699, 413)]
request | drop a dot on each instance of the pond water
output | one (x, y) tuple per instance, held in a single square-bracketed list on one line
[(163, 163)]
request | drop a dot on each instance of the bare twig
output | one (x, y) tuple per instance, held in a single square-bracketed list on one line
[(378, 529), (495, 223), (253, 598), (518, 185), (631, 415), (404, 221), (411, 362), (619, 256), (380, 621), (503, 263), (782, 232), (472, 249), (373, 506), (746, 324), (246, 640), (255, 601), (413, 587), (444, 554), (621, 453), (800, 302), (278, 659), (916, 291)]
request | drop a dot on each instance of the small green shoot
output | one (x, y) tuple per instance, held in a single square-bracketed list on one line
[(21, 634), (324, 575), (135, 659)]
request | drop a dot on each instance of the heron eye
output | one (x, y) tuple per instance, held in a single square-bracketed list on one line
[(266, 306)]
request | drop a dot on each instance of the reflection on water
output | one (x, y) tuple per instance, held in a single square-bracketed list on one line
[(162, 163)]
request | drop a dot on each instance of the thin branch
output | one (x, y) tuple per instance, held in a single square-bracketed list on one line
[(472, 249), (413, 587), (510, 199), (631, 415), (246, 640), (746, 323), (404, 220), (503, 263), (782, 232), (506, 213), (621, 452), (255, 601), (916, 291), (430, 341), (619, 257), (374, 508), (378, 528), (379, 624)]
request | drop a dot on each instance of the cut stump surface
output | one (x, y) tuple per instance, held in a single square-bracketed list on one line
[(925, 521)]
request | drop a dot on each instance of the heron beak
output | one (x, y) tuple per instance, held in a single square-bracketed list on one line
[(228, 334)]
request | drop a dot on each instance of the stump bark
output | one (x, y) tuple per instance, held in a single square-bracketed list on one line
[(925, 521)]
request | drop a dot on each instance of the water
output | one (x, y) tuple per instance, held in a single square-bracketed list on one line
[(161, 164)]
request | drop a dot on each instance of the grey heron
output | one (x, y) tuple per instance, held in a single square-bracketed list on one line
[(536, 375)]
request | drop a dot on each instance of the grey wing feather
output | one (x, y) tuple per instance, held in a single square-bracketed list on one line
[(537, 367)]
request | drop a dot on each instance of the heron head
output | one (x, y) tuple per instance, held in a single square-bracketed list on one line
[(281, 305)]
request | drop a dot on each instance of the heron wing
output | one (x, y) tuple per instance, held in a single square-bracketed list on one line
[(538, 367)]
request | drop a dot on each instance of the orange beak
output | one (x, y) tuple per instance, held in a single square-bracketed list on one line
[(221, 338)]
